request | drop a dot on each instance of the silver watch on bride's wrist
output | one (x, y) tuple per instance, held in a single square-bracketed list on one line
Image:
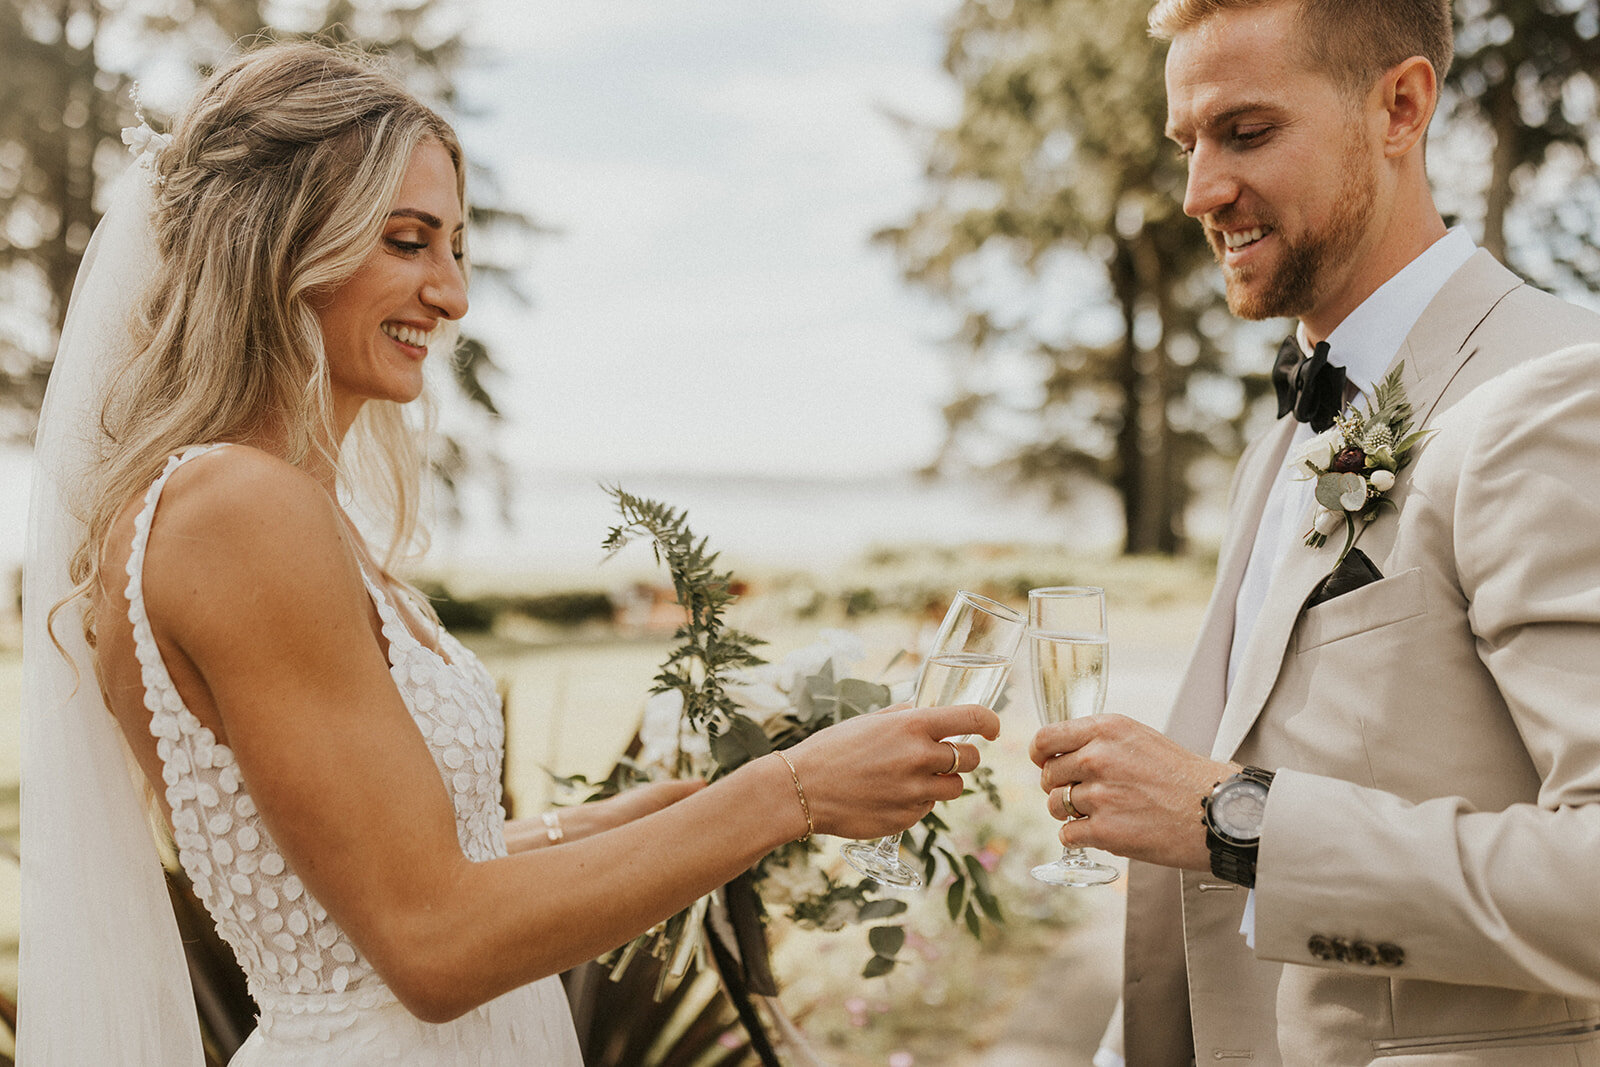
[(1232, 816)]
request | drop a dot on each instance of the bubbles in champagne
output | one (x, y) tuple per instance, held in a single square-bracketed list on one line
[(961, 678), (1069, 675)]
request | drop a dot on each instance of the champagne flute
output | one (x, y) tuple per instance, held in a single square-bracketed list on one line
[(968, 664), (1067, 626)]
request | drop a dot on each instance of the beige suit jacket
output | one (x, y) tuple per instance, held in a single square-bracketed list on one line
[(1436, 734)]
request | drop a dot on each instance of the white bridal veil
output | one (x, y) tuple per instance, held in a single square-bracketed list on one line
[(103, 978)]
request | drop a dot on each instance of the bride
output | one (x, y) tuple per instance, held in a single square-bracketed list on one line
[(253, 313)]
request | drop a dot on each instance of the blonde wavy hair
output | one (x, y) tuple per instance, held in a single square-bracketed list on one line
[(275, 187)]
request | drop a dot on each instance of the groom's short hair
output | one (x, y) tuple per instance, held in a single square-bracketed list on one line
[(1353, 41)]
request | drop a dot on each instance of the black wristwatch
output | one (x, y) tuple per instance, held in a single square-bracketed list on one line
[(1232, 815)]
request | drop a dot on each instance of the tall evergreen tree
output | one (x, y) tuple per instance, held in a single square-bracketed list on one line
[(1054, 227), (1094, 340)]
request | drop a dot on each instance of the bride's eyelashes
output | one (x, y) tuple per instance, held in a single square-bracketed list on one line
[(411, 248)]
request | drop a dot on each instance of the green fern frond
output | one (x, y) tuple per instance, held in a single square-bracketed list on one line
[(706, 648), (1389, 404)]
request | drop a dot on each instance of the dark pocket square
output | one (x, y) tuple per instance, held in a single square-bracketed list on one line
[(1353, 572)]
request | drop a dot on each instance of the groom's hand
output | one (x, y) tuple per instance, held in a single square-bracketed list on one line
[(1139, 793)]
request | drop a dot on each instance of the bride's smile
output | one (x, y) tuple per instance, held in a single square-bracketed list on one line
[(379, 326)]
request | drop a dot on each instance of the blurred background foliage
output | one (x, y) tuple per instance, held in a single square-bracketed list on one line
[(1094, 340), (1094, 346)]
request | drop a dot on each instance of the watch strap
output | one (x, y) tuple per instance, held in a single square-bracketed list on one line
[(1233, 863)]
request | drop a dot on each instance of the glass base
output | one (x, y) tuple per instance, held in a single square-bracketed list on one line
[(887, 870), (1075, 874)]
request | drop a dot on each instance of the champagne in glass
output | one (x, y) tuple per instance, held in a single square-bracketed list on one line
[(1071, 678), (1070, 642), (968, 664), (961, 678)]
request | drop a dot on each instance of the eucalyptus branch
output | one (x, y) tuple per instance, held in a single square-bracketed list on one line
[(706, 658)]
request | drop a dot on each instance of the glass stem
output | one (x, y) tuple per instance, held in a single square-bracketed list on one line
[(889, 847)]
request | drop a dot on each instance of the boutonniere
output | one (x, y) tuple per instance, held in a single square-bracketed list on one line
[(1355, 462)]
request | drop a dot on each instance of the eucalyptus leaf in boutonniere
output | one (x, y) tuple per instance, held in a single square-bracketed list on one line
[(1355, 461)]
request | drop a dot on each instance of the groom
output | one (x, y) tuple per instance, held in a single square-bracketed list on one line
[(1400, 781)]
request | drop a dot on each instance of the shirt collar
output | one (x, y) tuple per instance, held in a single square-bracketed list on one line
[(1366, 342)]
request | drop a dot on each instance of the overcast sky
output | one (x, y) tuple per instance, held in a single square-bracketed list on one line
[(715, 169), (711, 302)]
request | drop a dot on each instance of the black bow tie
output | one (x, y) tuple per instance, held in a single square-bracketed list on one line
[(1311, 389)]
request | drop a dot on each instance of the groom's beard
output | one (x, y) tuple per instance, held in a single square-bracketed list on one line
[(1294, 288)]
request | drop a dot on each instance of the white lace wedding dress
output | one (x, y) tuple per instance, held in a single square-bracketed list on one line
[(320, 1001)]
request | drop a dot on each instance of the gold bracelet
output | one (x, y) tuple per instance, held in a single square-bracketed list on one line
[(552, 826), (801, 793)]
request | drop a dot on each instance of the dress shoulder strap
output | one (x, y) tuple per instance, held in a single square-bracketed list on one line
[(160, 695)]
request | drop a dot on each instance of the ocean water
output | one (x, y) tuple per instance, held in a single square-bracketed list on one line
[(557, 520), (550, 524)]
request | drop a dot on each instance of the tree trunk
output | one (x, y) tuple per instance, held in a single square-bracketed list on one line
[(1129, 471), (1501, 108), (1159, 496), (1146, 477)]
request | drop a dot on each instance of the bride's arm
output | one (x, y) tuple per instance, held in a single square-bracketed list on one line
[(251, 581), (585, 820)]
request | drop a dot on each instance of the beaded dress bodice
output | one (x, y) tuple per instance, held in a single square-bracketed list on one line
[(302, 969)]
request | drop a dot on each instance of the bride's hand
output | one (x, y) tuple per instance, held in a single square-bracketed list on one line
[(585, 820), (878, 774)]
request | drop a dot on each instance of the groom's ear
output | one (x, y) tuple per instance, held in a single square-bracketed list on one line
[(1410, 92)]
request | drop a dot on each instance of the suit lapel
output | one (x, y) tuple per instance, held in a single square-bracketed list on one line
[(1434, 352), (1297, 575), (1205, 682), (1440, 344)]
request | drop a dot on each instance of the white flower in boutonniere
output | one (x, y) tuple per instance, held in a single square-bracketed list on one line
[(1356, 460), (1316, 455)]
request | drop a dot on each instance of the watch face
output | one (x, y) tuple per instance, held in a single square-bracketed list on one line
[(1237, 810)]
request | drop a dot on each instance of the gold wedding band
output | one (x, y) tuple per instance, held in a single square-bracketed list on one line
[(955, 756), (1072, 812)]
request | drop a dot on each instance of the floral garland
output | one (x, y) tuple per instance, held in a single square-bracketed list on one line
[(1355, 462)]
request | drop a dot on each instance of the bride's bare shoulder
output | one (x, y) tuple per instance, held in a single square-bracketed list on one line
[(234, 489), (234, 518)]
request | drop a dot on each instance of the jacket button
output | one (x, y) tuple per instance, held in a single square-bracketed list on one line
[(1363, 952), (1391, 955), (1320, 947)]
